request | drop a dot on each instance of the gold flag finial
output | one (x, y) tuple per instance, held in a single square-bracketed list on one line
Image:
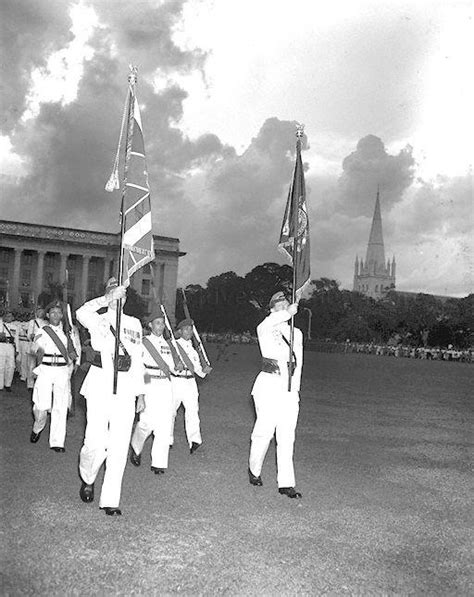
[(133, 74), (299, 130)]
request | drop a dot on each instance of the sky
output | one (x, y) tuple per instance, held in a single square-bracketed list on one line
[(383, 87)]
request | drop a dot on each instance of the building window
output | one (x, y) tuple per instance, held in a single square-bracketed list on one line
[(27, 259), (25, 277), (49, 260), (146, 286), (4, 273), (25, 299), (5, 256), (376, 288), (70, 281)]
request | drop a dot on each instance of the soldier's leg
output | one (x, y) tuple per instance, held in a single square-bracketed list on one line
[(146, 423), (191, 412), (2, 365), (263, 431), (176, 387), (40, 418), (164, 413), (9, 365), (57, 431), (94, 449), (288, 409), (120, 428)]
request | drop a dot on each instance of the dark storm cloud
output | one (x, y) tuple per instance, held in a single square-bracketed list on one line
[(239, 224), (30, 32), (69, 150), (369, 167)]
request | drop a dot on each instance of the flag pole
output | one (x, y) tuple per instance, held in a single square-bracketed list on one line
[(132, 80), (294, 212)]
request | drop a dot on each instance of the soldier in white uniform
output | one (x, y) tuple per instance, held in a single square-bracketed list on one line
[(8, 344), (23, 346), (158, 414), (185, 388), (276, 407), (51, 392), (109, 416), (34, 325)]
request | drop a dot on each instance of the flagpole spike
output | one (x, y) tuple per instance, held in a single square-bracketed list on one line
[(133, 74), (299, 130)]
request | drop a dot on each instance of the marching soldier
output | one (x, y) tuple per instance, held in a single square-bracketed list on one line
[(109, 416), (34, 325), (51, 392), (8, 344), (276, 407), (185, 388), (158, 414), (23, 347)]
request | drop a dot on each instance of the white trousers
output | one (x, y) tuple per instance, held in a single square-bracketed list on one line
[(107, 437), (185, 392), (277, 413), (157, 419), (7, 364), (22, 359), (51, 393)]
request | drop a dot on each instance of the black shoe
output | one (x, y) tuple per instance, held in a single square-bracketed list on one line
[(112, 511), (87, 492), (135, 459), (158, 471), (257, 481), (34, 437), (194, 447), (290, 492), (58, 449), (8, 389)]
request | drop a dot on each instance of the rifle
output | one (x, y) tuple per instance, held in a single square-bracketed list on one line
[(177, 358), (200, 348), (67, 326)]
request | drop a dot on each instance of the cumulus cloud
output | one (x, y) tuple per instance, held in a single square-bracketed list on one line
[(370, 167)]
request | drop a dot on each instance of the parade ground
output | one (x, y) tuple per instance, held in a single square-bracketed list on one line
[(383, 459)]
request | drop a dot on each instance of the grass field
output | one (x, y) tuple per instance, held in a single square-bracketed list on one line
[(383, 459)]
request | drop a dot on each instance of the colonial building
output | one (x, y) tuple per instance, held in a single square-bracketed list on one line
[(374, 276), (33, 258)]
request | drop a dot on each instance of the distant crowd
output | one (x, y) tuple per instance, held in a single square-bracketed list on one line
[(399, 351)]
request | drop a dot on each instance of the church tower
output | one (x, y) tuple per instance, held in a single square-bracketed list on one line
[(374, 276)]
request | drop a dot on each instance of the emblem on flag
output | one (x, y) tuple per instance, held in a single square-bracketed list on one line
[(294, 236)]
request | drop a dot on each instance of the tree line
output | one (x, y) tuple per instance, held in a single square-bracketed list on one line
[(233, 303)]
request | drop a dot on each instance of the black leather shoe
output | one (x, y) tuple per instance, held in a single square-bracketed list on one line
[(158, 471), (290, 492), (58, 449), (87, 492), (257, 481), (34, 437), (112, 511), (135, 459), (8, 389), (194, 447)]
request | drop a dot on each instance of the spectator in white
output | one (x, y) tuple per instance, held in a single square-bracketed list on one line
[(110, 416), (8, 346)]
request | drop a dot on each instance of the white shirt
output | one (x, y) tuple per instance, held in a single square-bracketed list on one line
[(191, 352)]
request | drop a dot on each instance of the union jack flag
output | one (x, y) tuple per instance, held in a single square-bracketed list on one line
[(136, 205)]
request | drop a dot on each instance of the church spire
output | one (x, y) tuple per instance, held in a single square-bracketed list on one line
[(375, 257)]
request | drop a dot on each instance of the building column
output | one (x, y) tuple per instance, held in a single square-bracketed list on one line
[(39, 274), (62, 268), (15, 295), (107, 261), (85, 277)]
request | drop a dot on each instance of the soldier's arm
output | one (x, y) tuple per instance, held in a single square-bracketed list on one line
[(87, 314)]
